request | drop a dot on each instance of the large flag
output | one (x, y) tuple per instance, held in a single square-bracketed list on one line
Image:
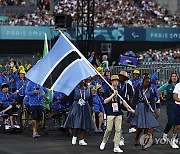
[(45, 51), (62, 68)]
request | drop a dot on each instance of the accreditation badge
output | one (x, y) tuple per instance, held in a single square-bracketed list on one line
[(115, 107)]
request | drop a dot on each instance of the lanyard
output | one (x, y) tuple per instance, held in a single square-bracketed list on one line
[(81, 94), (23, 84), (148, 103)]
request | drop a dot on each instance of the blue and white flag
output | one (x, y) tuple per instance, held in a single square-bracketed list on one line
[(62, 68)]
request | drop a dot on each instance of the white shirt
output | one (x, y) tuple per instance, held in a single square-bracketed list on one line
[(177, 91)]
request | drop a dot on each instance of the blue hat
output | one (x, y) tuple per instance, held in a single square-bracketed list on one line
[(2, 69), (154, 77)]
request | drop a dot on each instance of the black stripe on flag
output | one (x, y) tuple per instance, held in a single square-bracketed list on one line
[(59, 68)]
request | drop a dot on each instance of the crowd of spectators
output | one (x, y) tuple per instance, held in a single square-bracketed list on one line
[(155, 9), (162, 55), (41, 16), (124, 13), (12, 2), (117, 13), (128, 13)]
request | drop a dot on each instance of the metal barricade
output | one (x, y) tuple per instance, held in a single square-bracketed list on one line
[(165, 70)]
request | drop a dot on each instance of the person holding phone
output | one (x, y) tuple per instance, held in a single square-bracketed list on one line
[(35, 93)]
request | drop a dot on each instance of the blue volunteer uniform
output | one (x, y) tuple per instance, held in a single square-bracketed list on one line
[(4, 79), (59, 101), (136, 82), (7, 100), (97, 104), (36, 99), (21, 86)]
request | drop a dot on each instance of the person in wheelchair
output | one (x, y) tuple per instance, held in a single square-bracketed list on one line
[(7, 102), (98, 110), (59, 105)]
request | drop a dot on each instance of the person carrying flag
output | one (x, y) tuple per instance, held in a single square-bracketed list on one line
[(114, 115)]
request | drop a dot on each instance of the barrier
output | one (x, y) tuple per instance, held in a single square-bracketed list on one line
[(165, 69)]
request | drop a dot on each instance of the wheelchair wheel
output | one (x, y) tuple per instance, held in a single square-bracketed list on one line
[(24, 119)]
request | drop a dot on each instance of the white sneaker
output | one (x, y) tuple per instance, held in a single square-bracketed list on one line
[(74, 139), (82, 142), (165, 137), (132, 130), (117, 149), (173, 144), (102, 145), (121, 143)]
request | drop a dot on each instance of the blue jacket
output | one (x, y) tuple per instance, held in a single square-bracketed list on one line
[(21, 86), (15, 77), (4, 79), (97, 81), (59, 101), (12, 85), (26, 100), (6, 99), (97, 104), (35, 99), (139, 97), (135, 82)]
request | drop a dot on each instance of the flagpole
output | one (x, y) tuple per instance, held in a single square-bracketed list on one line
[(45, 50), (88, 63)]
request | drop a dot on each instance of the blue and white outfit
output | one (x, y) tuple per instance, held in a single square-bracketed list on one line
[(4, 79), (36, 99), (136, 82), (144, 113), (21, 86), (79, 116), (7, 99)]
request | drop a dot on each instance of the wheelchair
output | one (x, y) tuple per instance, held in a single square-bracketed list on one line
[(59, 117), (5, 124), (26, 119)]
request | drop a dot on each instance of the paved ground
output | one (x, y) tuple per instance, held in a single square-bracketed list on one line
[(56, 142)]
